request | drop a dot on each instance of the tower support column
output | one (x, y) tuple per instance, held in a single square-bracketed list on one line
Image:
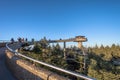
[(64, 50), (80, 45)]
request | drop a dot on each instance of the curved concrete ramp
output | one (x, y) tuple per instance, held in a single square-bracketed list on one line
[(5, 74)]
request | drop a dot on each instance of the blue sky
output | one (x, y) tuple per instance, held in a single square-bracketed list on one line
[(98, 20)]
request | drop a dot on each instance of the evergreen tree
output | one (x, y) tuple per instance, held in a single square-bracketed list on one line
[(44, 43), (12, 40)]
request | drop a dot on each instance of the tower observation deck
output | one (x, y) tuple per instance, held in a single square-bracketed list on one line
[(78, 39)]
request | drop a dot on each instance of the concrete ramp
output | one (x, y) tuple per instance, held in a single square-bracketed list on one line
[(5, 74)]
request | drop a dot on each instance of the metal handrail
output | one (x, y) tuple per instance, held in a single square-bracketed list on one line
[(51, 66)]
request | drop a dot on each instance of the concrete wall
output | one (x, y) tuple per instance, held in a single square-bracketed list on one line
[(24, 70)]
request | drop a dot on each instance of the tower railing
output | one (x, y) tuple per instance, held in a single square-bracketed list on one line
[(50, 66)]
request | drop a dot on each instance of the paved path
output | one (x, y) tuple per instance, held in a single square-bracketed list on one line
[(5, 74)]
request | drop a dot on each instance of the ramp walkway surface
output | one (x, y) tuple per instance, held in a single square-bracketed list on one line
[(5, 74)]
